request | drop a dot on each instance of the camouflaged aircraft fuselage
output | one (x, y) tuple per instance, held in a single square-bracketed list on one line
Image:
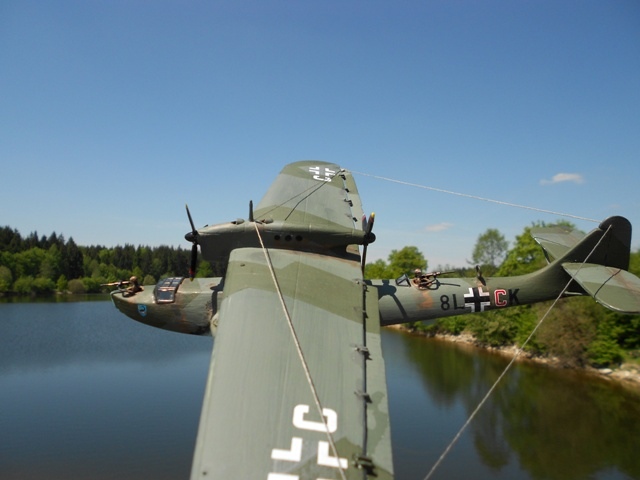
[(296, 386)]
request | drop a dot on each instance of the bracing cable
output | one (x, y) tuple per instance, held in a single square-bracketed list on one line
[(296, 341), (508, 367), (475, 197)]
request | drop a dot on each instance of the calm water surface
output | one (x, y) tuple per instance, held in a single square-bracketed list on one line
[(86, 393)]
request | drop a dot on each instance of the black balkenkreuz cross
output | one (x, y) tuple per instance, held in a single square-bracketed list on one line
[(477, 299)]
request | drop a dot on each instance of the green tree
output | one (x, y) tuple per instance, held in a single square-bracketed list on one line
[(24, 285), (377, 269), (526, 256), (62, 284), (6, 279), (8, 260), (493, 328), (36, 261), (105, 256), (43, 286), (158, 267), (92, 284), (51, 265), (490, 250), (406, 260), (204, 270), (76, 286), (10, 240), (137, 272), (628, 333), (604, 351), (28, 262), (72, 259), (569, 329), (144, 258)]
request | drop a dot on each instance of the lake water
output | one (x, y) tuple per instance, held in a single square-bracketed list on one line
[(86, 393)]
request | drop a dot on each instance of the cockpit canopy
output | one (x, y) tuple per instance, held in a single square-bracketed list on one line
[(165, 291)]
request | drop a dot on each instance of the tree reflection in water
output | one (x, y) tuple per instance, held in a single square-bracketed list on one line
[(85, 390), (555, 424)]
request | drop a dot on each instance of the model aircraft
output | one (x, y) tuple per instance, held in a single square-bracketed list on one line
[(296, 386)]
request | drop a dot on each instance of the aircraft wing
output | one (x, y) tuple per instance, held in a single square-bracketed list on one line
[(306, 193), (301, 394)]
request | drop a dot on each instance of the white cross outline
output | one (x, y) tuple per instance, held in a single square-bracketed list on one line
[(294, 454), (299, 422), (328, 174), (473, 303), (327, 460)]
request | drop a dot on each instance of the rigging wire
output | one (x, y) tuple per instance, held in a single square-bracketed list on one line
[(303, 195), (296, 341), (508, 367), (475, 197)]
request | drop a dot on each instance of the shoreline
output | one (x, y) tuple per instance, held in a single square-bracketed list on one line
[(626, 374)]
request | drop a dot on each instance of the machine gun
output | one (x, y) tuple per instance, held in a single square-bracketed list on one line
[(425, 280), (119, 284)]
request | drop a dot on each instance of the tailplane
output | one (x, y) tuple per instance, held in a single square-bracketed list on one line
[(597, 261)]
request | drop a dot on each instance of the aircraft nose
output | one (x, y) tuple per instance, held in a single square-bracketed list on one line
[(121, 303)]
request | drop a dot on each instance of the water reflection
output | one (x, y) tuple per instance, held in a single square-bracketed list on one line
[(86, 393), (539, 423), (53, 334)]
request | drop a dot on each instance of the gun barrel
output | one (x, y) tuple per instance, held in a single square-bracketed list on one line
[(122, 282)]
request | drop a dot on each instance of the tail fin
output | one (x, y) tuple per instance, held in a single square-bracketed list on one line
[(612, 251), (598, 261)]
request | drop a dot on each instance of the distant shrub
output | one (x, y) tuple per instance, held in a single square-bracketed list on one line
[(604, 352), (91, 284), (76, 286), (452, 325), (6, 279), (493, 329), (23, 285), (43, 285), (62, 283)]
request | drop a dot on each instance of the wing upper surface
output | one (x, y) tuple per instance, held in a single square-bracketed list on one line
[(259, 417), (313, 193)]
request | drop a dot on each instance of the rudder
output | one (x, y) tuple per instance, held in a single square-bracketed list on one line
[(608, 245)]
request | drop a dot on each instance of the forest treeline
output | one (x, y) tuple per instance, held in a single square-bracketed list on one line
[(34, 265), (578, 330)]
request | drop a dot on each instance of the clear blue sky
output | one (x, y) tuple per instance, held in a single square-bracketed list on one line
[(114, 114)]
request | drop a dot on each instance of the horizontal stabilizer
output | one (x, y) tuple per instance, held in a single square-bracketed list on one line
[(612, 287), (556, 241)]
